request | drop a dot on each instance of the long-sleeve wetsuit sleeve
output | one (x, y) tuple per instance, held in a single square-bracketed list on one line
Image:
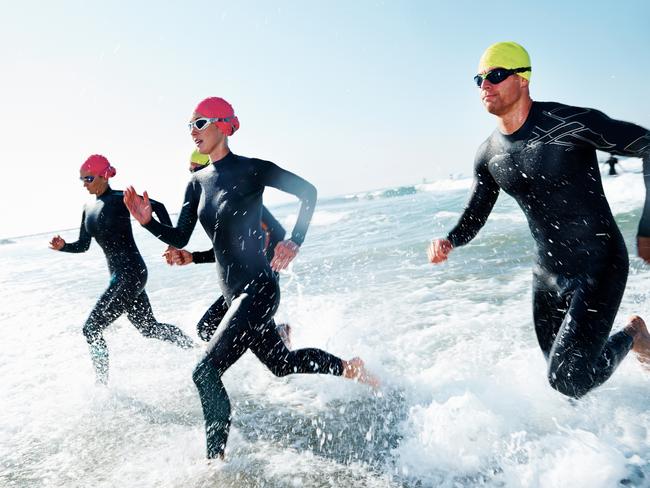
[(180, 235), (83, 243), (644, 223), (276, 177), (275, 230), (619, 138), (161, 212), (483, 196), (200, 257)]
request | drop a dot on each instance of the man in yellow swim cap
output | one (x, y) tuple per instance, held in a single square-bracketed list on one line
[(510, 101), (543, 154)]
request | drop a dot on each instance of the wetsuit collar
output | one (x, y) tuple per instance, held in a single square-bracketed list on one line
[(106, 192), (227, 158), (524, 129)]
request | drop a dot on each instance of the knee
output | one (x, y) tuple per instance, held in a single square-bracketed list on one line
[(203, 372), (91, 332), (566, 383)]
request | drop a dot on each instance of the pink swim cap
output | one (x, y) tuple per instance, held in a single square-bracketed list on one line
[(98, 165), (214, 107)]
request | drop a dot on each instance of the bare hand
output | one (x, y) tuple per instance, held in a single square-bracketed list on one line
[(168, 255), (439, 250), (180, 257), (284, 253), (643, 246), (57, 243), (138, 206)]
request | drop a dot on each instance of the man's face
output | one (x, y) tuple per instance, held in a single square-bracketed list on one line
[(499, 98)]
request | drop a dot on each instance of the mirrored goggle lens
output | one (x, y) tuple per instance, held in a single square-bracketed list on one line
[(87, 179), (495, 76)]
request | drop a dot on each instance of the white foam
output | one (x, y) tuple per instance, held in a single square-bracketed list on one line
[(452, 184), (464, 382)]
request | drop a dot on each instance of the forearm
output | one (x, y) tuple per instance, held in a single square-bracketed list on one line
[(83, 243), (180, 235), (474, 216), (307, 207), (465, 230), (76, 247), (200, 257), (161, 212), (288, 182), (174, 236)]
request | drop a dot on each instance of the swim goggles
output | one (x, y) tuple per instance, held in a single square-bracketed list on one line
[(87, 179), (497, 75), (203, 122)]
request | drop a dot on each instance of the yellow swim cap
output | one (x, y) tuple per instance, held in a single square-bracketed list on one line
[(198, 158), (505, 55)]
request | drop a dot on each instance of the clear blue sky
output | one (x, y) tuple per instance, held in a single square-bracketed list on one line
[(351, 95)]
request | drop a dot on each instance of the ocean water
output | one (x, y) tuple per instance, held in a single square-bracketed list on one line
[(464, 400)]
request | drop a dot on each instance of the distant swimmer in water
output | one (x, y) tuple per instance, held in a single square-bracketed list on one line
[(226, 198), (544, 155), (274, 233), (109, 222), (612, 161)]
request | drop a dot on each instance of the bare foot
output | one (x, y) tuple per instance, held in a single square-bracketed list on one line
[(355, 369), (637, 329)]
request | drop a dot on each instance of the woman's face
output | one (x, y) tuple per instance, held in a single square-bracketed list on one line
[(207, 139), (96, 185)]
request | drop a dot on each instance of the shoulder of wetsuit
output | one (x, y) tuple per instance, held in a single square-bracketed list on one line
[(258, 161), (563, 110), (549, 105)]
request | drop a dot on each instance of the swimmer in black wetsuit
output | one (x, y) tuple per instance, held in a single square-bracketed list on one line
[(109, 222), (611, 162), (544, 155), (273, 234), (226, 198)]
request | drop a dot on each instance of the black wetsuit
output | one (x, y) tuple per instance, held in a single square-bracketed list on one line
[(109, 222), (227, 199), (208, 324), (550, 167)]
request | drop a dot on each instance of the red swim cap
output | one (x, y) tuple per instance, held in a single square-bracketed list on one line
[(218, 107), (98, 165)]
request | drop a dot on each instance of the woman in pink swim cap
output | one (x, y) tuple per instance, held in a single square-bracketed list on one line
[(226, 198), (108, 221)]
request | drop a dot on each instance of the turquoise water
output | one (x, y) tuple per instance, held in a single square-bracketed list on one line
[(464, 400)]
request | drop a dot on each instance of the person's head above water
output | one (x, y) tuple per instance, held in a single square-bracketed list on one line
[(95, 172), (503, 76), (198, 161), (213, 121)]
